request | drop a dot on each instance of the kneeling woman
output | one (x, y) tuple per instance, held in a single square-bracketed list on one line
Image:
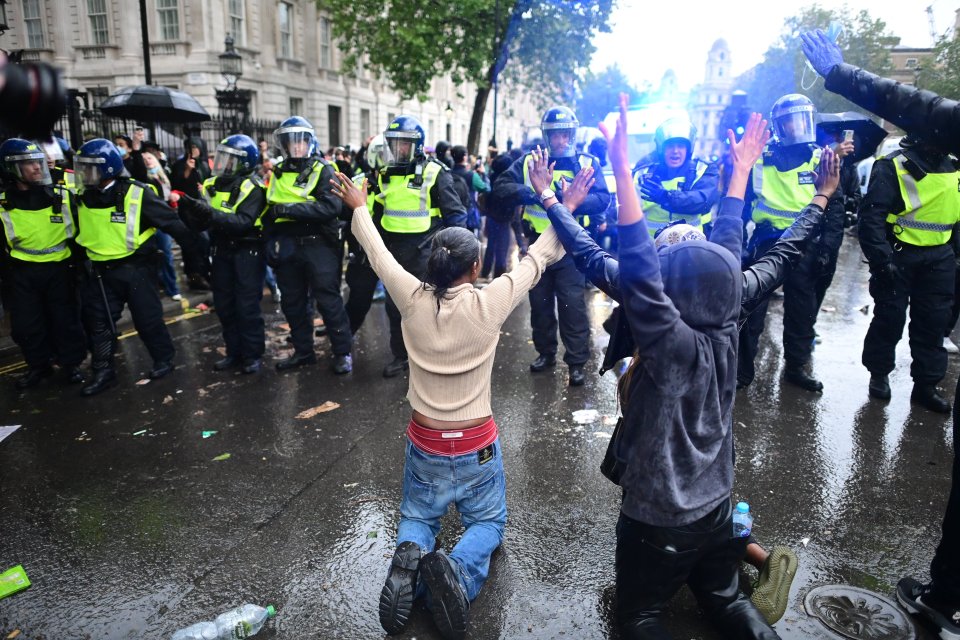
[(451, 331)]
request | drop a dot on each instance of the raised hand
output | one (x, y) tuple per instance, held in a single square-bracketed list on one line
[(345, 189), (574, 193), (745, 153), (541, 174), (630, 211), (822, 52), (827, 177)]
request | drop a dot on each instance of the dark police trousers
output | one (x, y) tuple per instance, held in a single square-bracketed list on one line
[(236, 275), (362, 280), (560, 294), (314, 269), (925, 280), (652, 563), (131, 281), (945, 568), (45, 313), (406, 248)]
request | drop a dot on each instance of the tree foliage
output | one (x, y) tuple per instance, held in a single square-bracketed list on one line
[(941, 77), (865, 43), (599, 94), (543, 44)]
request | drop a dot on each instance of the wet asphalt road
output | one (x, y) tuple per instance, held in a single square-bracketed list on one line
[(135, 536)]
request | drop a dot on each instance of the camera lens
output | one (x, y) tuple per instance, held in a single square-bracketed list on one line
[(32, 99)]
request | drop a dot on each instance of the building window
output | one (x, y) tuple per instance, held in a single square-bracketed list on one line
[(364, 124), (34, 24), (285, 19), (296, 106), (333, 125), (235, 13), (97, 12), (169, 17), (911, 63), (326, 62)]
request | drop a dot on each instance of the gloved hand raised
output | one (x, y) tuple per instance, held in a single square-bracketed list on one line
[(653, 191), (822, 52)]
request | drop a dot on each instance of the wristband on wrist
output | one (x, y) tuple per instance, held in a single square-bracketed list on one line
[(822, 195)]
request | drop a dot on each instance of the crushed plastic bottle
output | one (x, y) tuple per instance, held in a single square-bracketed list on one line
[(742, 521), (243, 622)]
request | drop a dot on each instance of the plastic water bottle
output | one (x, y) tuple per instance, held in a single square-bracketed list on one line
[(742, 520), (243, 622)]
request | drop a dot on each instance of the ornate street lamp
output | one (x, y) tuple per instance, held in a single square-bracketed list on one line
[(231, 63), (234, 103)]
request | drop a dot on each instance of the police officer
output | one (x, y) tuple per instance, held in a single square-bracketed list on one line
[(117, 218), (304, 245), (782, 185), (360, 276), (416, 198), (673, 184), (38, 223), (560, 290), (232, 205), (906, 225)]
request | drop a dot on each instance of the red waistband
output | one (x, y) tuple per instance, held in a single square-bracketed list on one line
[(453, 442)]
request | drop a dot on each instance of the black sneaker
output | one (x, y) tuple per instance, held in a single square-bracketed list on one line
[(342, 364), (396, 367), (799, 377), (33, 376), (228, 362), (915, 598), (542, 363), (577, 376), (450, 605), (396, 597)]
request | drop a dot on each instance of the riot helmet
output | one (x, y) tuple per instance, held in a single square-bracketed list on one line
[(25, 162), (675, 130), (295, 138), (404, 141), (237, 155), (557, 121), (97, 160), (375, 153), (793, 120)]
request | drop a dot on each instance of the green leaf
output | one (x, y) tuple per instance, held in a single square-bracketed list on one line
[(221, 457)]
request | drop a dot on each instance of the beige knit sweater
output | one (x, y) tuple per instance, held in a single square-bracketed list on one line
[(451, 348)]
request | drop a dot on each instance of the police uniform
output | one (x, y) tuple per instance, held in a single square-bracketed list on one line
[(560, 291), (238, 265), (39, 227), (304, 247), (116, 227), (360, 276), (906, 225), (412, 203), (690, 191)]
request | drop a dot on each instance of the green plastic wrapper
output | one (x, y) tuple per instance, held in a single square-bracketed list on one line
[(13, 581)]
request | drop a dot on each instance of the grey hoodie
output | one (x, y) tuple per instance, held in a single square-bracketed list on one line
[(682, 307)]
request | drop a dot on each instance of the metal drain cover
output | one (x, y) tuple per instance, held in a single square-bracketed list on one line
[(858, 614)]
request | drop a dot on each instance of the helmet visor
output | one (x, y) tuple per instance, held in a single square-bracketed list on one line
[(796, 127), (228, 162), (399, 148), (561, 140), (295, 142), (30, 168), (89, 171), (375, 153)]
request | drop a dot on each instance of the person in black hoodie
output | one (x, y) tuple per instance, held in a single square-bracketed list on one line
[(233, 202), (676, 444)]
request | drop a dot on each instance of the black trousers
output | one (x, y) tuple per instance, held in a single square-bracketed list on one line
[(559, 294), (362, 281), (652, 563), (955, 309), (924, 280), (498, 248), (236, 276), (132, 283), (45, 313), (945, 568), (314, 269), (412, 257)]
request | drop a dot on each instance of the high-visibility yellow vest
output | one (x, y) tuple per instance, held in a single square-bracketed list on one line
[(537, 215), (220, 200), (782, 195), (284, 188), (408, 208), (932, 207), (38, 235), (658, 218), (108, 234)]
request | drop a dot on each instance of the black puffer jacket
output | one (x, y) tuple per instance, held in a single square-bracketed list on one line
[(920, 112), (759, 280)]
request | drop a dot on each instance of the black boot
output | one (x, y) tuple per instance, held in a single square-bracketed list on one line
[(161, 369), (73, 375), (543, 362), (577, 376), (798, 376), (926, 395), (252, 366), (450, 605), (879, 387), (226, 363), (396, 597), (396, 367), (342, 364), (296, 360), (102, 380), (33, 376)]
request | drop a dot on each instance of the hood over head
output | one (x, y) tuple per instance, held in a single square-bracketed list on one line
[(704, 282)]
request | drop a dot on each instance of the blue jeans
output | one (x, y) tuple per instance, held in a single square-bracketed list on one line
[(431, 483), (168, 274)]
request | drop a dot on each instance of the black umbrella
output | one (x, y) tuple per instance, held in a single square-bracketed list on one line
[(867, 134), (150, 103)]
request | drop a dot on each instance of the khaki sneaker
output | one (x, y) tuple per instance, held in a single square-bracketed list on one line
[(772, 588)]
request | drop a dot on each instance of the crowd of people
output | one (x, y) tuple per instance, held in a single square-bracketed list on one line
[(702, 250)]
